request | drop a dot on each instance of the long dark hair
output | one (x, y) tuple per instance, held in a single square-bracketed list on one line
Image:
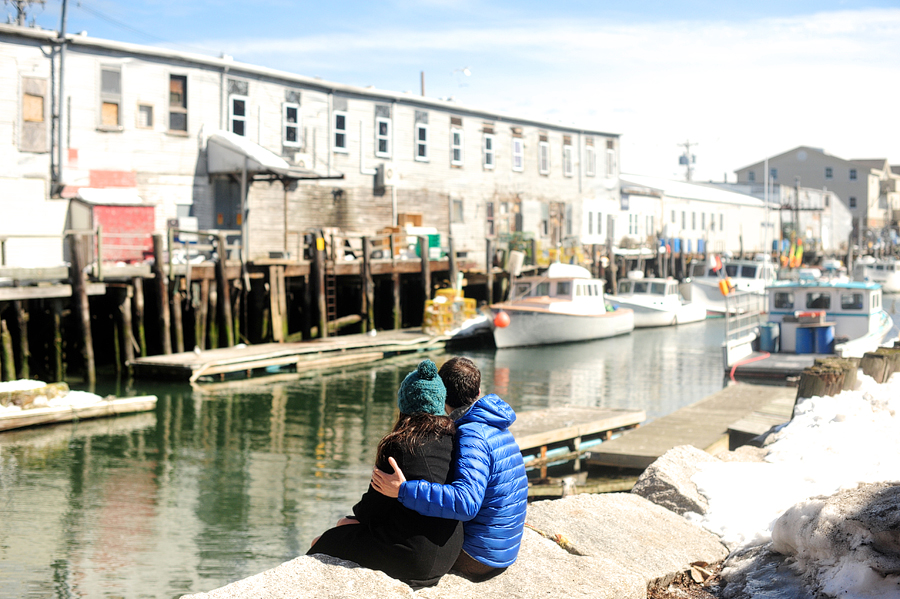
[(410, 431)]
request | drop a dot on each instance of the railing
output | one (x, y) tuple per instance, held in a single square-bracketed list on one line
[(743, 313)]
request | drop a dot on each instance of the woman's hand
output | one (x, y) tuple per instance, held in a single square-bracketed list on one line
[(388, 484), (347, 520)]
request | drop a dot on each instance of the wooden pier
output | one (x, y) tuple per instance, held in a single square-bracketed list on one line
[(540, 431), (703, 424), (53, 415), (215, 364), (777, 366)]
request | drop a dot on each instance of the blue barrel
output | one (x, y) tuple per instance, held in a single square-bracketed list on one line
[(701, 246), (824, 339), (806, 340), (676, 245), (768, 337)]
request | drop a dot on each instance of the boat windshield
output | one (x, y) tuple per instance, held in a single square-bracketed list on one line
[(818, 300), (851, 301), (744, 271), (658, 288), (624, 286), (641, 286), (532, 290)]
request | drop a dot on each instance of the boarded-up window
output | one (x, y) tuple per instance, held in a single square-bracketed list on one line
[(32, 108), (145, 116), (110, 97), (34, 131)]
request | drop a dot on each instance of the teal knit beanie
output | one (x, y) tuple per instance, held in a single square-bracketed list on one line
[(422, 391)]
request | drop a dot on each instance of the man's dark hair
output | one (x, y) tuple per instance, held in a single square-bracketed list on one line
[(463, 381)]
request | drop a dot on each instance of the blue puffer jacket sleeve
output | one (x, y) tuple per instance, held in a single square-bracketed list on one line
[(462, 498)]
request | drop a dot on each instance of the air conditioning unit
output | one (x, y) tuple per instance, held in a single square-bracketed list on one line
[(386, 175), (303, 160)]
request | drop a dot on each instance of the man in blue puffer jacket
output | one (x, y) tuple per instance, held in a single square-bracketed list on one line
[(489, 488)]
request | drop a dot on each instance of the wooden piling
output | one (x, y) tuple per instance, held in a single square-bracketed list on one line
[(305, 322), (162, 295), (489, 270), (881, 363), (56, 308), (275, 315), (213, 318), (850, 366), (80, 297), (368, 287), (24, 351), (320, 286), (9, 360), (224, 290), (820, 380), (202, 314), (127, 329), (282, 303), (454, 269), (138, 284), (426, 266), (176, 315), (395, 289)]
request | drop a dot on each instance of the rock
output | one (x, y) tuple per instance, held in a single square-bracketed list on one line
[(744, 453), (856, 529), (312, 577), (627, 530), (544, 569), (667, 481)]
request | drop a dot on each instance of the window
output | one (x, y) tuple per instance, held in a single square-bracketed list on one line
[(610, 158), (590, 223), (544, 157), (568, 163), (773, 173), (683, 220), (674, 220), (853, 174), (340, 131), (290, 124), (237, 114), (564, 288), (851, 301), (632, 224), (488, 150), (144, 116), (178, 103), (110, 98), (853, 202), (829, 172), (383, 137), (456, 210), (693, 221), (818, 301), (722, 222), (489, 217), (518, 154), (599, 223), (702, 221), (590, 161), (751, 176), (456, 146), (421, 142), (712, 222), (33, 136), (784, 300)]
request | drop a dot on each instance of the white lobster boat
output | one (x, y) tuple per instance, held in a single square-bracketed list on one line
[(702, 287), (656, 302), (561, 306), (884, 271)]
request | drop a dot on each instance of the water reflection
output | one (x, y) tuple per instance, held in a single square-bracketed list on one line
[(228, 480)]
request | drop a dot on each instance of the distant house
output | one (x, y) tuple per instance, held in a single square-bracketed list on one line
[(868, 188), (266, 155)]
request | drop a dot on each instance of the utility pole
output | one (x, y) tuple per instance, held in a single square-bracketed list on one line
[(687, 159), (22, 9)]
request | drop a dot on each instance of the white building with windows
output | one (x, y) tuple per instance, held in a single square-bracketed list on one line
[(299, 152)]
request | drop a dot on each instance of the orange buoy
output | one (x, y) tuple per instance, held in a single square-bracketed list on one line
[(725, 285), (501, 320)]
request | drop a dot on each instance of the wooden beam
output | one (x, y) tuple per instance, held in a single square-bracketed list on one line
[(83, 307), (162, 294), (224, 291)]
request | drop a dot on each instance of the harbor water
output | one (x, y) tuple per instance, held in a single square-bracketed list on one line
[(229, 479)]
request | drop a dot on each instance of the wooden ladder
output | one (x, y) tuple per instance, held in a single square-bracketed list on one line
[(330, 292)]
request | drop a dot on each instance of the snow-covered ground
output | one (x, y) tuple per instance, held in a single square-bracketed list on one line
[(69, 399), (832, 444)]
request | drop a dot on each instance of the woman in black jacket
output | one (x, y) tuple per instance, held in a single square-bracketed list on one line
[(384, 535)]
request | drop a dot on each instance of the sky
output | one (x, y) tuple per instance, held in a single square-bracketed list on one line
[(738, 80), (831, 444)]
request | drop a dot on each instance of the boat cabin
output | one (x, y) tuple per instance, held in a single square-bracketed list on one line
[(648, 287), (742, 269), (569, 289), (824, 312)]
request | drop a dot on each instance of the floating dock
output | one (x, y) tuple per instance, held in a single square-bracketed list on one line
[(704, 425), (778, 366), (215, 364), (53, 415), (570, 428)]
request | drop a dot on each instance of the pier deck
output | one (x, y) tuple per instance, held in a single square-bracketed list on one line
[(703, 424), (762, 365), (320, 353), (539, 431), (53, 415)]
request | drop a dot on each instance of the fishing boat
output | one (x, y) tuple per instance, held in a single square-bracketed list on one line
[(884, 271), (656, 302), (807, 320), (704, 284), (565, 304)]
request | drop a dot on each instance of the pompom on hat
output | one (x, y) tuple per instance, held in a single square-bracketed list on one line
[(422, 391)]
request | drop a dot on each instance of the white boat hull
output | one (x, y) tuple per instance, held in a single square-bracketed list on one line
[(662, 316), (533, 327)]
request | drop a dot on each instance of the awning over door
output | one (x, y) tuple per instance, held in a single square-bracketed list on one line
[(230, 153)]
